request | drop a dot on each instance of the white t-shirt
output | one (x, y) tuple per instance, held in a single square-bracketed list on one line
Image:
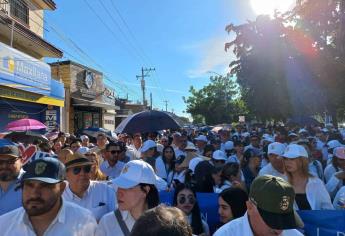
[(241, 227), (270, 170)]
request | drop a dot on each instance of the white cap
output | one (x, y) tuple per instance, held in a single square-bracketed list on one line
[(134, 173), (334, 144), (302, 131), (201, 138), (83, 150), (245, 134), (276, 148), (228, 145), (325, 130), (295, 151), (194, 162), (83, 137), (147, 145), (292, 134), (190, 146), (219, 155)]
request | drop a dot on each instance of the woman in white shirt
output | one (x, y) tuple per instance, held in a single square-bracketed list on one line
[(332, 172), (165, 164), (311, 193), (135, 194), (185, 200)]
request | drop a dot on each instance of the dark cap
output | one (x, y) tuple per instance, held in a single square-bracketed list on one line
[(9, 151), (180, 159), (49, 170), (274, 198)]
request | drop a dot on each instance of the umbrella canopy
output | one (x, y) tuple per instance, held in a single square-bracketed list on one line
[(24, 125), (221, 126), (147, 121), (94, 131), (25, 137)]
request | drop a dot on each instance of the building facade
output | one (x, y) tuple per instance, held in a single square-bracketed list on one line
[(89, 102), (27, 89)]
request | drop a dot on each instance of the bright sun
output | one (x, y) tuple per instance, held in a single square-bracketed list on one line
[(267, 7)]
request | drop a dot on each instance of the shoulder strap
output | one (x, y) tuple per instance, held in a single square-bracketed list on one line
[(121, 222)]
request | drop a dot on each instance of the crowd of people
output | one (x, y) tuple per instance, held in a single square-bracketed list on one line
[(112, 186)]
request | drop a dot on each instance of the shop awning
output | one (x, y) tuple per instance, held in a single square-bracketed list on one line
[(84, 103)]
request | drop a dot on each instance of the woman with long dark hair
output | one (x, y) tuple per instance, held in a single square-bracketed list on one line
[(185, 200), (136, 193), (165, 164)]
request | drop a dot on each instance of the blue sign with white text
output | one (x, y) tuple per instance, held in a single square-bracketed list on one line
[(20, 71)]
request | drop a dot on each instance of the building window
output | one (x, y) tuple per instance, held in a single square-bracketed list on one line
[(20, 11)]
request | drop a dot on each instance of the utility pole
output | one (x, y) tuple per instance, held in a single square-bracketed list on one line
[(166, 104), (144, 73), (150, 101)]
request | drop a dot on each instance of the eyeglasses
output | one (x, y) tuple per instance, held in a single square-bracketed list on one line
[(183, 200), (77, 170), (115, 151), (8, 162)]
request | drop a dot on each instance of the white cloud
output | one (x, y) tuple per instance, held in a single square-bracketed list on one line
[(212, 57)]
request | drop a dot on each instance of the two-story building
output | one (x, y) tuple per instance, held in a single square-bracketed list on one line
[(27, 89)]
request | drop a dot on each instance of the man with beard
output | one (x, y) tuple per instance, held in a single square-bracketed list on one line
[(10, 164), (95, 196), (44, 212), (112, 166)]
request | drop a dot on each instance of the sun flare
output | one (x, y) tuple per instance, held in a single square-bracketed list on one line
[(267, 7)]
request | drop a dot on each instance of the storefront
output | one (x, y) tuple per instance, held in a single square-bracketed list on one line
[(91, 102), (27, 89)]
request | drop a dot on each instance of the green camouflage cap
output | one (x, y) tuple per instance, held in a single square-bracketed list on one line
[(274, 198)]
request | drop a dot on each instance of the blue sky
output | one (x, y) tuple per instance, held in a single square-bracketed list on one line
[(181, 39)]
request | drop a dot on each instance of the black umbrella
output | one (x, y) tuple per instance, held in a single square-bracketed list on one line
[(25, 137), (147, 121)]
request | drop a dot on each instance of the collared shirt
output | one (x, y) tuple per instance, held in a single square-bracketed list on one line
[(109, 225), (10, 199), (270, 170), (134, 153), (241, 227), (112, 171), (99, 198), (71, 220)]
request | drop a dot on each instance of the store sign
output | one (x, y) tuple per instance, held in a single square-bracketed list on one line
[(18, 70), (51, 119)]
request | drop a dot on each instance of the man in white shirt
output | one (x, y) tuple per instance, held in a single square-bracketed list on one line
[(112, 166), (276, 165), (95, 196), (44, 212), (133, 150), (201, 142), (269, 211)]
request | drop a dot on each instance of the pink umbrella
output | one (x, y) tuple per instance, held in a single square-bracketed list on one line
[(25, 124)]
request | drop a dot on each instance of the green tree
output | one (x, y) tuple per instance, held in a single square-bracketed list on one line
[(215, 103)]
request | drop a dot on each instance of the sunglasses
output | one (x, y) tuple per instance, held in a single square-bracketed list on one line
[(77, 170), (8, 162), (183, 200), (115, 151)]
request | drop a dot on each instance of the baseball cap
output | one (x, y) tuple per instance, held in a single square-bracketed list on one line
[(180, 159), (76, 159), (83, 150), (295, 151), (11, 151), (333, 144), (134, 173), (219, 155), (302, 131), (47, 169), (201, 138), (276, 148), (190, 146), (274, 198), (147, 145), (228, 145), (339, 152), (292, 134), (83, 137)]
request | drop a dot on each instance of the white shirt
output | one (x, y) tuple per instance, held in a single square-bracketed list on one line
[(99, 198), (333, 184), (270, 170), (134, 153), (71, 220), (339, 200), (112, 171), (317, 195), (108, 226), (241, 227)]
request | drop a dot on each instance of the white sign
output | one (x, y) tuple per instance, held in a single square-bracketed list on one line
[(242, 119), (51, 118)]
